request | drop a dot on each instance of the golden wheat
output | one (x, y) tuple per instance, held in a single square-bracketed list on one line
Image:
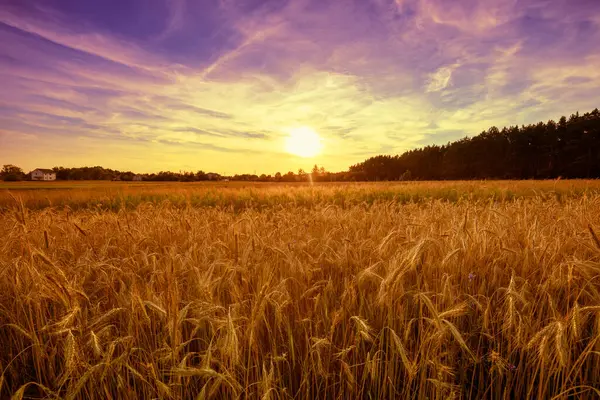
[(323, 295)]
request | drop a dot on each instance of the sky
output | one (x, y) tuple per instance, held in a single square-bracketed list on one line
[(218, 85)]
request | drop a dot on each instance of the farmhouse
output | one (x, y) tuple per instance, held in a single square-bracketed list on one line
[(213, 177), (43, 174), (137, 177)]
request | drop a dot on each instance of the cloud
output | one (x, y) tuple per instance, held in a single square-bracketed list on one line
[(197, 131), (440, 79), (138, 115), (99, 45), (199, 145), (58, 103), (177, 9), (471, 16), (198, 110), (242, 134), (229, 78)]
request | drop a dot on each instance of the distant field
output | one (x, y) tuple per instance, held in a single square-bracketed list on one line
[(241, 195), (407, 290)]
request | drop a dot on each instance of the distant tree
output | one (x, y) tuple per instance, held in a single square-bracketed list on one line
[(11, 173), (301, 175), (569, 148), (201, 176), (315, 174), (187, 177), (127, 176), (289, 177), (62, 173)]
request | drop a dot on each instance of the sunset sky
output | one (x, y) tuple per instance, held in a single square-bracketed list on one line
[(218, 85)]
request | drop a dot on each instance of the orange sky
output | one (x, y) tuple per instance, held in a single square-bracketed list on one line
[(218, 85)]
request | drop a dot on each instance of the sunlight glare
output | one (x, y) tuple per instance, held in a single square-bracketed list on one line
[(304, 142)]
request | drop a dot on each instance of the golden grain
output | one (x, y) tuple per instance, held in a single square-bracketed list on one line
[(405, 290)]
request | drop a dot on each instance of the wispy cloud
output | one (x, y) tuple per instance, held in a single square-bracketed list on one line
[(175, 19), (441, 79), (211, 82)]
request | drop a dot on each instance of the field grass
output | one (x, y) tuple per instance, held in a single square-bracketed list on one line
[(450, 290), (238, 196)]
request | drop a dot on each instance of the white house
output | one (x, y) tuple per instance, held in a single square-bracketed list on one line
[(137, 177), (43, 174), (213, 177)]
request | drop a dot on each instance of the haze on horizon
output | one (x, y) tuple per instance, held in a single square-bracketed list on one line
[(149, 85)]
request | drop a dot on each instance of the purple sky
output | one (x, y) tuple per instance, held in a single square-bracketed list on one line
[(150, 85)]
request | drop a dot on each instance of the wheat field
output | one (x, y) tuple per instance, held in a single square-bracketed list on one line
[(294, 292)]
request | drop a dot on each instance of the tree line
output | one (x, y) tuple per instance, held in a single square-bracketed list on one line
[(11, 172), (569, 148)]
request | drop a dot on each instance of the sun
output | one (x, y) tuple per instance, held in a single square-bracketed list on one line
[(303, 141)]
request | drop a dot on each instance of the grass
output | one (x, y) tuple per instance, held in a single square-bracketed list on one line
[(418, 290)]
